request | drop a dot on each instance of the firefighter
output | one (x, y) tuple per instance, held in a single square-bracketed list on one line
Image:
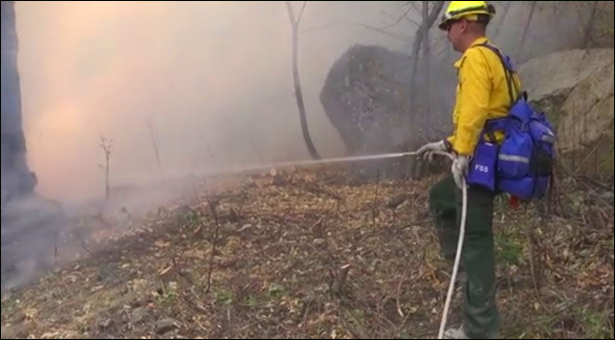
[(483, 93)]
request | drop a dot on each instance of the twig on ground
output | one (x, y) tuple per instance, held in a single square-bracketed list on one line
[(376, 197), (403, 278), (401, 327), (591, 181), (530, 240), (305, 316), (212, 207)]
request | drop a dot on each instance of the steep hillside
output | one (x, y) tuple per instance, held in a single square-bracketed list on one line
[(315, 254)]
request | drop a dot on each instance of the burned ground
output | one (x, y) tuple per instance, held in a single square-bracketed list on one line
[(314, 254)]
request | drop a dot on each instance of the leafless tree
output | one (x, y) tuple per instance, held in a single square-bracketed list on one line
[(295, 21), (422, 35), (155, 143), (426, 55), (107, 146)]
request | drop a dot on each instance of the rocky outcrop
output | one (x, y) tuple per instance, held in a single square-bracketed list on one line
[(367, 97), (576, 89)]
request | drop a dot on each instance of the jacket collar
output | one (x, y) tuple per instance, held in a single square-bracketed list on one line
[(476, 42)]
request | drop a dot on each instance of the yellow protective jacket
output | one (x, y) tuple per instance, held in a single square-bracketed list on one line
[(482, 94)]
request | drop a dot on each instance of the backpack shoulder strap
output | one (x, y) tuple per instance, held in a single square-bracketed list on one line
[(509, 71)]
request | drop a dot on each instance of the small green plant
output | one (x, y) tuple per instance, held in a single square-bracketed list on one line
[(251, 301), (168, 296), (508, 250), (276, 291), (8, 306), (596, 325), (224, 297)]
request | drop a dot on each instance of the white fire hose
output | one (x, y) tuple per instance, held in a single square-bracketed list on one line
[(462, 230)]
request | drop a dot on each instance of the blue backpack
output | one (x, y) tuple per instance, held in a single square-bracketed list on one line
[(522, 165)]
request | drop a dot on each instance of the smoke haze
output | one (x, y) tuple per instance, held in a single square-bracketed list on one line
[(208, 75), (211, 75)]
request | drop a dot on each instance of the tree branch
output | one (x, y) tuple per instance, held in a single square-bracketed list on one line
[(418, 40), (301, 13), (396, 36), (405, 15), (291, 14)]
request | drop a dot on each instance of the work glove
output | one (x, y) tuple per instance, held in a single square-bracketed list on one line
[(460, 167), (427, 151)]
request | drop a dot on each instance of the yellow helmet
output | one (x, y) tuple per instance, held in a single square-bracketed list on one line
[(471, 10)]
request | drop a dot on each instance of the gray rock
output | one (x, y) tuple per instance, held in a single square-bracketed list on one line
[(167, 325), (138, 315), (105, 325)]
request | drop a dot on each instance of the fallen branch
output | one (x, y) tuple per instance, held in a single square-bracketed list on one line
[(212, 207)]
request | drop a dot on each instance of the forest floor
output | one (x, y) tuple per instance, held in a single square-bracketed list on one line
[(315, 254)]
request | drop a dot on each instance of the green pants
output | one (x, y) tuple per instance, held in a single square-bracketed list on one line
[(478, 256)]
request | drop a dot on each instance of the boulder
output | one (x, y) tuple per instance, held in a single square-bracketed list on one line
[(575, 88), (367, 98)]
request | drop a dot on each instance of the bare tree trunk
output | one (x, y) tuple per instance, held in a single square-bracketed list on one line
[(416, 48), (107, 146), (155, 144), (426, 62), (298, 92), (526, 30)]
